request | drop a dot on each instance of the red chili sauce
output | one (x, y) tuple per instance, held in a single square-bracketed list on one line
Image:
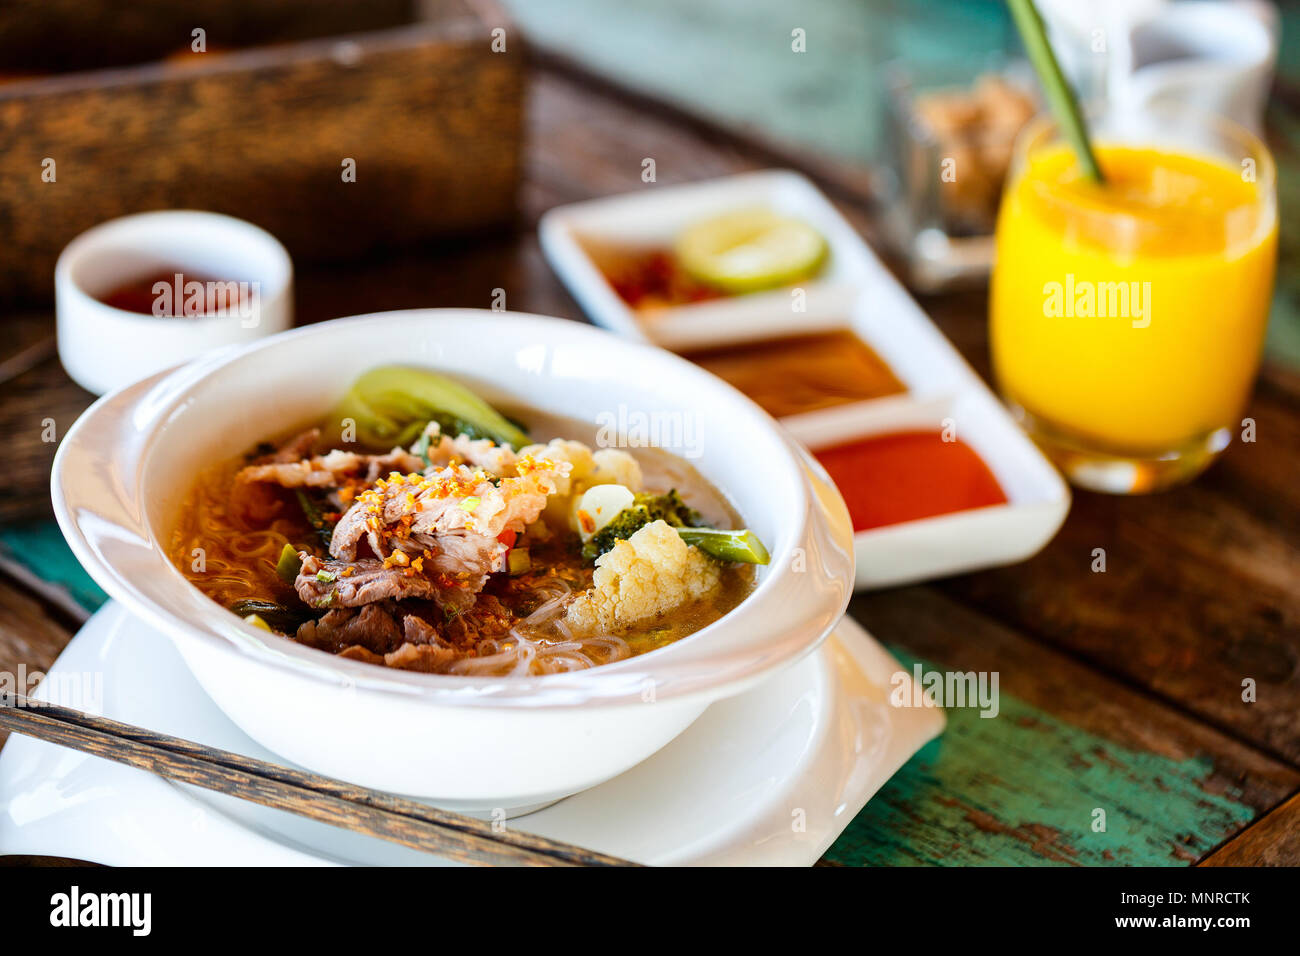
[(903, 476), (649, 279)]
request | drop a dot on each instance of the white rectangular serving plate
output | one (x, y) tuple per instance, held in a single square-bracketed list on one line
[(855, 292), (654, 217)]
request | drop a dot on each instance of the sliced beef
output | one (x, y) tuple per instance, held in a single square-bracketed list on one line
[(383, 633), (444, 450), (411, 513), (421, 657), (417, 630), (463, 557), (487, 619), (335, 584), (373, 635), (333, 469), (398, 460), (372, 627), (358, 653), (450, 521), (296, 448)]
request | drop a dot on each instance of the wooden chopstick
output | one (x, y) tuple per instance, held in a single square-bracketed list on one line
[(397, 819)]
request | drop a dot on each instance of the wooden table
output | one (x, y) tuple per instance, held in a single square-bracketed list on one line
[(1120, 691)]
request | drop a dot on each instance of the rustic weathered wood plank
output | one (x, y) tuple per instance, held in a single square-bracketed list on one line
[(36, 409), (45, 35), (429, 115), (1200, 593), (1026, 786), (32, 633), (1273, 841)]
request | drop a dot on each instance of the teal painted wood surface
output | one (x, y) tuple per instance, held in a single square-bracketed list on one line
[(1023, 789), (45, 554)]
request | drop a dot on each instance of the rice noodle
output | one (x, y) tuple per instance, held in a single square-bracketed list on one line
[(545, 612), (521, 654), (228, 538)]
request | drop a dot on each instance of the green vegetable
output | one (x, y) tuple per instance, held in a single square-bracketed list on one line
[(620, 527), (275, 616), (741, 545), (392, 404), (421, 447), (671, 508), (315, 514), (289, 564), (644, 509), (518, 562)]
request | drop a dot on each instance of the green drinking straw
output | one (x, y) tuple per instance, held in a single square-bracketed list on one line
[(1059, 95)]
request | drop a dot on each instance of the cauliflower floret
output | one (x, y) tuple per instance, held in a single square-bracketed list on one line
[(560, 505), (562, 449), (645, 576), (605, 467), (615, 467)]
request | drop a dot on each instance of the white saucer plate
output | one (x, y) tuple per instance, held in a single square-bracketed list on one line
[(770, 777)]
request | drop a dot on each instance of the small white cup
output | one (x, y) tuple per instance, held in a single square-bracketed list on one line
[(1211, 57), (104, 348)]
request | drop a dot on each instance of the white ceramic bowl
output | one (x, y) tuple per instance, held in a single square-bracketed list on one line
[(104, 348), (467, 743)]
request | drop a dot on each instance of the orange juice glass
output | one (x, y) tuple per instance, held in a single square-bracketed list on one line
[(1127, 319)]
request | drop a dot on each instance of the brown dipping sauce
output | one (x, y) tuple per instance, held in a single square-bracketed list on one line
[(138, 295), (787, 376)]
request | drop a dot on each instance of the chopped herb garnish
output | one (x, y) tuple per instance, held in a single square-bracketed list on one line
[(421, 447), (316, 517), (276, 616)]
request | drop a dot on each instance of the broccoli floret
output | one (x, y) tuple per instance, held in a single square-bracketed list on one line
[(669, 507), (621, 527), (644, 509), (742, 545)]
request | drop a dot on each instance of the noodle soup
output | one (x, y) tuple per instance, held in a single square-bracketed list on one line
[(441, 537)]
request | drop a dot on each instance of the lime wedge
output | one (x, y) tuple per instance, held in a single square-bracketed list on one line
[(749, 250)]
